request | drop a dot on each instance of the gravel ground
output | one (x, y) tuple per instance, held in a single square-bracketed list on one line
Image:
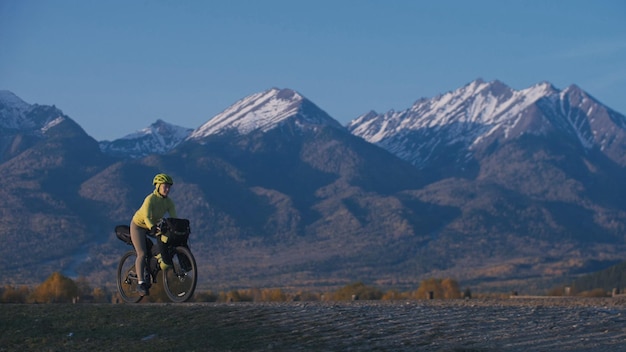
[(521, 324), (472, 325)]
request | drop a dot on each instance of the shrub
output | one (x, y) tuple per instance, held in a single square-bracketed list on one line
[(307, 296), (357, 290), (394, 295), (206, 296), (12, 294), (273, 295), (56, 289), (441, 289), (450, 289), (598, 292), (235, 296)]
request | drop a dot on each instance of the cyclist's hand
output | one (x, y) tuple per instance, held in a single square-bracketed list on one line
[(154, 230)]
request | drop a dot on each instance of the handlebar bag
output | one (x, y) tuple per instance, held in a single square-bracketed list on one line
[(177, 230)]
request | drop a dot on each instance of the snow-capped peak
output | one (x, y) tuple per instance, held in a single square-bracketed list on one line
[(477, 104), (17, 115), (158, 138), (482, 111), (262, 112), (161, 129)]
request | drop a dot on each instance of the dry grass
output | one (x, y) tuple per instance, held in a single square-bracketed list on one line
[(565, 324)]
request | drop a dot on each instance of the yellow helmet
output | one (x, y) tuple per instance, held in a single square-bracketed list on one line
[(162, 178)]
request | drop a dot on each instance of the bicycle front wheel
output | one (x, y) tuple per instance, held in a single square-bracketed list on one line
[(127, 278), (180, 280)]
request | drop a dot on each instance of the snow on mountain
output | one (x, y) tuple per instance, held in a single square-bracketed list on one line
[(594, 123), (17, 115), (13, 111), (261, 111), (158, 138), (52, 123), (478, 105), (11, 102), (482, 111), (264, 111)]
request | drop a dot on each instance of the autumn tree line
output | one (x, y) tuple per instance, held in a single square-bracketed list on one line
[(61, 289)]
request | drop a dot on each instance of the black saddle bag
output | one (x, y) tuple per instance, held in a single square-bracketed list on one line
[(123, 233)]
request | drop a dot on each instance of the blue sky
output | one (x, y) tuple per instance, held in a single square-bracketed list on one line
[(117, 66)]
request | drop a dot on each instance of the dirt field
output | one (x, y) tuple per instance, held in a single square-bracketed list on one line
[(547, 324)]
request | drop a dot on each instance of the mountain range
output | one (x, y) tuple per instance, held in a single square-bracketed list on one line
[(497, 188)]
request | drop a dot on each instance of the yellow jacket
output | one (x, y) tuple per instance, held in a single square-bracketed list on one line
[(153, 209)]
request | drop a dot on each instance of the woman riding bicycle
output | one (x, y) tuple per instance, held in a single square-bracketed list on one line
[(153, 209)]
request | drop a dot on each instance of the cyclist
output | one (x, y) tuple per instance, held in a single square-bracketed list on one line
[(153, 209)]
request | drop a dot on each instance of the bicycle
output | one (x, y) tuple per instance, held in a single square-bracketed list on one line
[(179, 280)]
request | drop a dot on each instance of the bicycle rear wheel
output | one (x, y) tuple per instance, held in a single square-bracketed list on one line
[(180, 280), (127, 278)]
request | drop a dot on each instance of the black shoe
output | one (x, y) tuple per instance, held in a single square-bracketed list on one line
[(143, 289)]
